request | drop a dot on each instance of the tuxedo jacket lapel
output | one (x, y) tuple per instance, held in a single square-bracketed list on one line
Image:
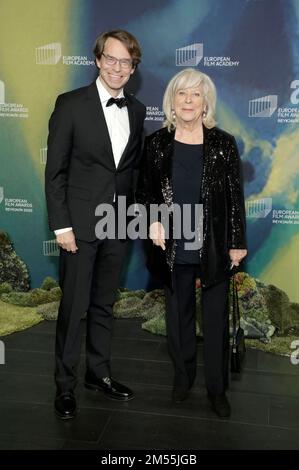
[(132, 123), (100, 125)]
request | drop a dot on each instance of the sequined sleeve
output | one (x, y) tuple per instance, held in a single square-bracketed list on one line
[(145, 188), (236, 206)]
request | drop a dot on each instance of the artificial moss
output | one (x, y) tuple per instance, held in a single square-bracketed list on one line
[(14, 318), (12, 269), (48, 311), (5, 288), (278, 345), (283, 313), (132, 306), (49, 283), (155, 325), (33, 297)]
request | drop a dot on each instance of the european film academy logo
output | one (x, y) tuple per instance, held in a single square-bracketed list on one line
[(11, 109), (50, 54), (258, 208), (263, 107), (50, 248), (2, 92), (43, 155), (191, 56)]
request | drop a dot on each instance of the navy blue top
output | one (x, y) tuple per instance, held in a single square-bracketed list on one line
[(187, 168)]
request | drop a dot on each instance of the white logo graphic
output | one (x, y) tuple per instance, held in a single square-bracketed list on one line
[(192, 54), (295, 354), (189, 55), (285, 216), (262, 107), (43, 155), (290, 113), (50, 248), (2, 353), (259, 208), (15, 204), (2, 92), (295, 93), (154, 113), (49, 54), (11, 109)]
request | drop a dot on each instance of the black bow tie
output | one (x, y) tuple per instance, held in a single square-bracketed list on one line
[(120, 102)]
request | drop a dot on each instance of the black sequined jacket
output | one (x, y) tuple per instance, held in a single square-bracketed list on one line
[(221, 194)]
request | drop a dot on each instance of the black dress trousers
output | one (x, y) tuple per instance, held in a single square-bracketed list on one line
[(89, 279), (181, 330)]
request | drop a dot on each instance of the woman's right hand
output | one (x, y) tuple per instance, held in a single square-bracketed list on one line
[(157, 234)]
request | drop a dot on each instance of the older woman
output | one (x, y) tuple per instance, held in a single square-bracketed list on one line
[(186, 163)]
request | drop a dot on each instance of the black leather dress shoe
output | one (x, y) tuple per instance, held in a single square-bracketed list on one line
[(65, 405), (220, 405), (109, 386)]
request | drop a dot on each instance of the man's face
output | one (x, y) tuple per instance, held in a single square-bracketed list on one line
[(115, 76)]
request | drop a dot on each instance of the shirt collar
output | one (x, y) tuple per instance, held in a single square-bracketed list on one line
[(104, 94)]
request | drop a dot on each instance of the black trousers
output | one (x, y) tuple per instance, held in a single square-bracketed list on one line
[(89, 281), (181, 330)]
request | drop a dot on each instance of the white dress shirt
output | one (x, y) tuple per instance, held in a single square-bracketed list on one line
[(117, 120)]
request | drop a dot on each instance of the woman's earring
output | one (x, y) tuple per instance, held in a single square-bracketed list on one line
[(173, 115), (205, 112)]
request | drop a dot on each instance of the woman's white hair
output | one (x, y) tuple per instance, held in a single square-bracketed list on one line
[(190, 78)]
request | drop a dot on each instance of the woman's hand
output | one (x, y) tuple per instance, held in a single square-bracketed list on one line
[(236, 256), (157, 234)]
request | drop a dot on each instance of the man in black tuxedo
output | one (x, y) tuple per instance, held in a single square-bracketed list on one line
[(93, 146)]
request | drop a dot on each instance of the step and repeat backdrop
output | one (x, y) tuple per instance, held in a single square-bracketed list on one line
[(250, 48)]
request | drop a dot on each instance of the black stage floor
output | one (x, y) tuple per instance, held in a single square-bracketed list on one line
[(265, 400)]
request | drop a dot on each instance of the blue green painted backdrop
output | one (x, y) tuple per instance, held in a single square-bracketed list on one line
[(261, 35)]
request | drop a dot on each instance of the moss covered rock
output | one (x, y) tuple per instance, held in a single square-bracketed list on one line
[(283, 314), (14, 318), (139, 304), (12, 269), (48, 311), (49, 283), (155, 325), (5, 288), (128, 307), (33, 297), (263, 309), (252, 302)]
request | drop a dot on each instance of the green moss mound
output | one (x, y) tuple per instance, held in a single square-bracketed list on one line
[(12, 269), (14, 318), (32, 298)]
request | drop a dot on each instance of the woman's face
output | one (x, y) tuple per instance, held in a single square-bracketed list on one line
[(189, 104)]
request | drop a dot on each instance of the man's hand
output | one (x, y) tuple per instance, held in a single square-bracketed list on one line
[(236, 256), (67, 241), (157, 234)]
